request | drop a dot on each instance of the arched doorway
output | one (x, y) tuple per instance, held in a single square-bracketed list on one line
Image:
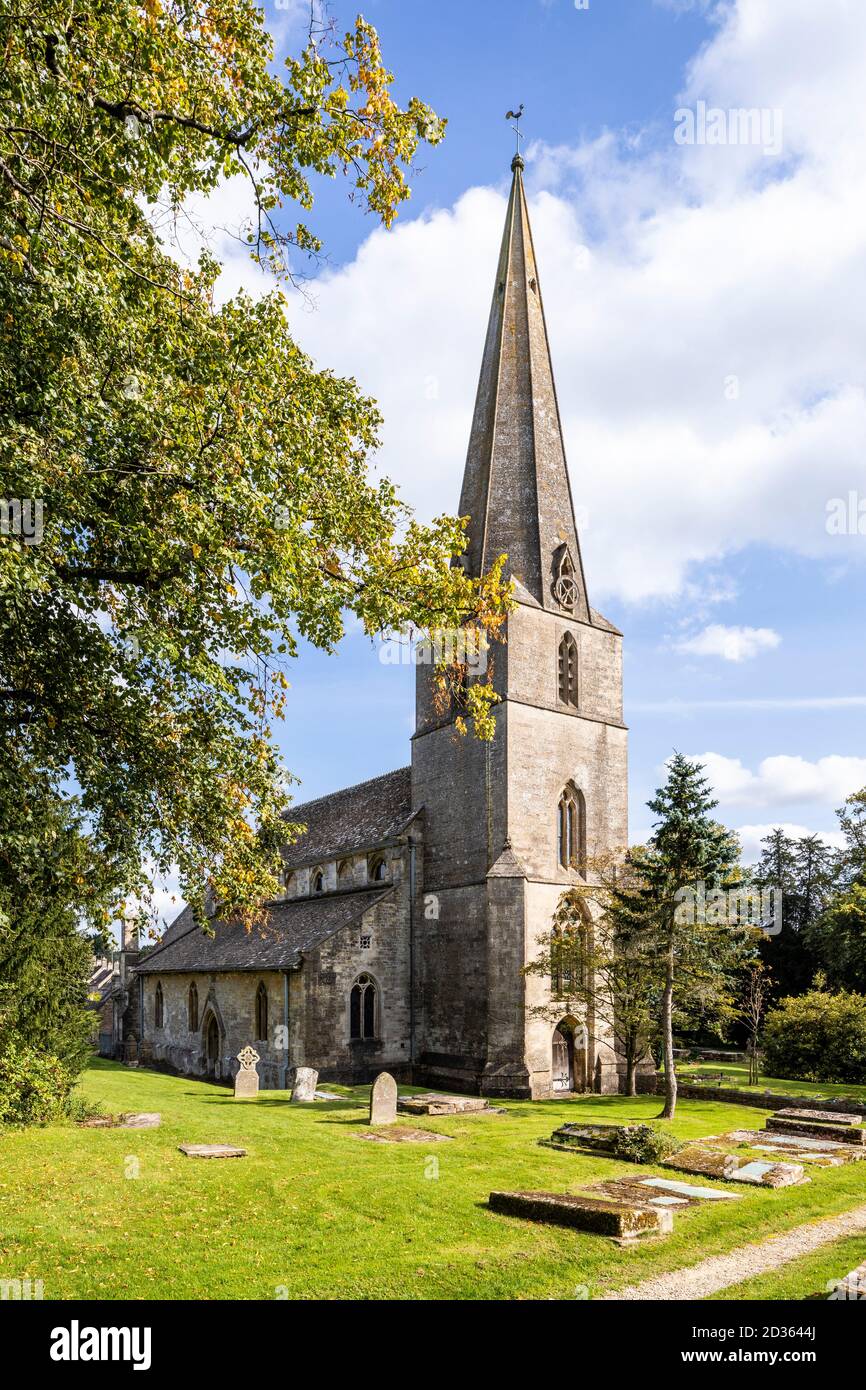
[(562, 1059), (212, 1045), (568, 1066)]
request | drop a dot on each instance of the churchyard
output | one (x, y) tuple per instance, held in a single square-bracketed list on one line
[(308, 1211)]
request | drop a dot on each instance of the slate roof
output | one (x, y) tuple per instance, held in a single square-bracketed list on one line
[(295, 926), (356, 818)]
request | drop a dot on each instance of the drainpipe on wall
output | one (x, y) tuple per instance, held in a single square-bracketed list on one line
[(411, 843), (285, 1066)]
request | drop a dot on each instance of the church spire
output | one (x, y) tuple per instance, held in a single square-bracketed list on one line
[(515, 485)]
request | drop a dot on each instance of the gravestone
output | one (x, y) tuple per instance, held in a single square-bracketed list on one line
[(143, 1119), (383, 1100), (212, 1151), (305, 1083), (247, 1079)]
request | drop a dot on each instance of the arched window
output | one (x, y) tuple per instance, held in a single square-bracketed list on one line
[(318, 881), (378, 869), (569, 959), (344, 874), (261, 1012), (158, 1007), (290, 883), (364, 1008), (568, 670), (192, 1008), (571, 829), (564, 582)]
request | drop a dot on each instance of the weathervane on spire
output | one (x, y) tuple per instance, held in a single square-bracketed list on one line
[(515, 116)]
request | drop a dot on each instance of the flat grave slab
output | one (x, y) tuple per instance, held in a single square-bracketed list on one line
[(593, 1215), (812, 1129), (728, 1167), (402, 1134), (689, 1191), (770, 1174), (144, 1119), (212, 1151), (431, 1104), (830, 1117), (853, 1286)]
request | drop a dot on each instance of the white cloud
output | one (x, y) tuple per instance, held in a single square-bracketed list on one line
[(784, 780), (703, 304), (730, 643), (751, 836)]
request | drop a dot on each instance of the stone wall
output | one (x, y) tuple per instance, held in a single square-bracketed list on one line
[(654, 1084), (231, 997)]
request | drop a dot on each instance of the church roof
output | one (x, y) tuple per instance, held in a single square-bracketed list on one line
[(515, 486), (353, 819), (295, 927)]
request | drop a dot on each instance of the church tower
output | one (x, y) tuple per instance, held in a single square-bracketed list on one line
[(509, 824)]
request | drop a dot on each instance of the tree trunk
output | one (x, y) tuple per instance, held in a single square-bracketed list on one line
[(630, 1076), (670, 1109)]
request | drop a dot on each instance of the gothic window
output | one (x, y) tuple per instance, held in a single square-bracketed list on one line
[(158, 1008), (562, 952), (318, 881), (564, 582), (568, 670), (344, 874), (289, 882), (261, 1012), (364, 1008), (192, 1008), (571, 829), (378, 869), (568, 959)]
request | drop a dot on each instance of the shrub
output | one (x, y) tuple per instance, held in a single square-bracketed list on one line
[(817, 1037), (35, 1087), (643, 1144)]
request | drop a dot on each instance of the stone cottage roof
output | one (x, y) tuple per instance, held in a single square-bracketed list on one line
[(295, 926), (356, 818)]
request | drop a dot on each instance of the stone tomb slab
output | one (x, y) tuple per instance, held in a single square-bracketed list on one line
[(812, 1129), (770, 1174), (689, 1190), (593, 1215), (728, 1167), (432, 1104), (402, 1134), (212, 1151), (827, 1117), (143, 1119)]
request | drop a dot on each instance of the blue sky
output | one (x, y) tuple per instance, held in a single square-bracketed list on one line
[(705, 313)]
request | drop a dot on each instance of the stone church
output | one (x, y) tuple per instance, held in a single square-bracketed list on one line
[(412, 901)]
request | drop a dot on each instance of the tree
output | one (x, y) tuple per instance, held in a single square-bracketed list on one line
[(837, 933), (679, 907), (803, 872), (200, 490), (600, 972), (757, 992), (48, 883)]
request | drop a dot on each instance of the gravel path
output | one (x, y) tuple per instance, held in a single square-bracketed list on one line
[(720, 1271)]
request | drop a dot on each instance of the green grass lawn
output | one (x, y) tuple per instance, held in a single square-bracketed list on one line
[(808, 1277), (312, 1212), (737, 1075)]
